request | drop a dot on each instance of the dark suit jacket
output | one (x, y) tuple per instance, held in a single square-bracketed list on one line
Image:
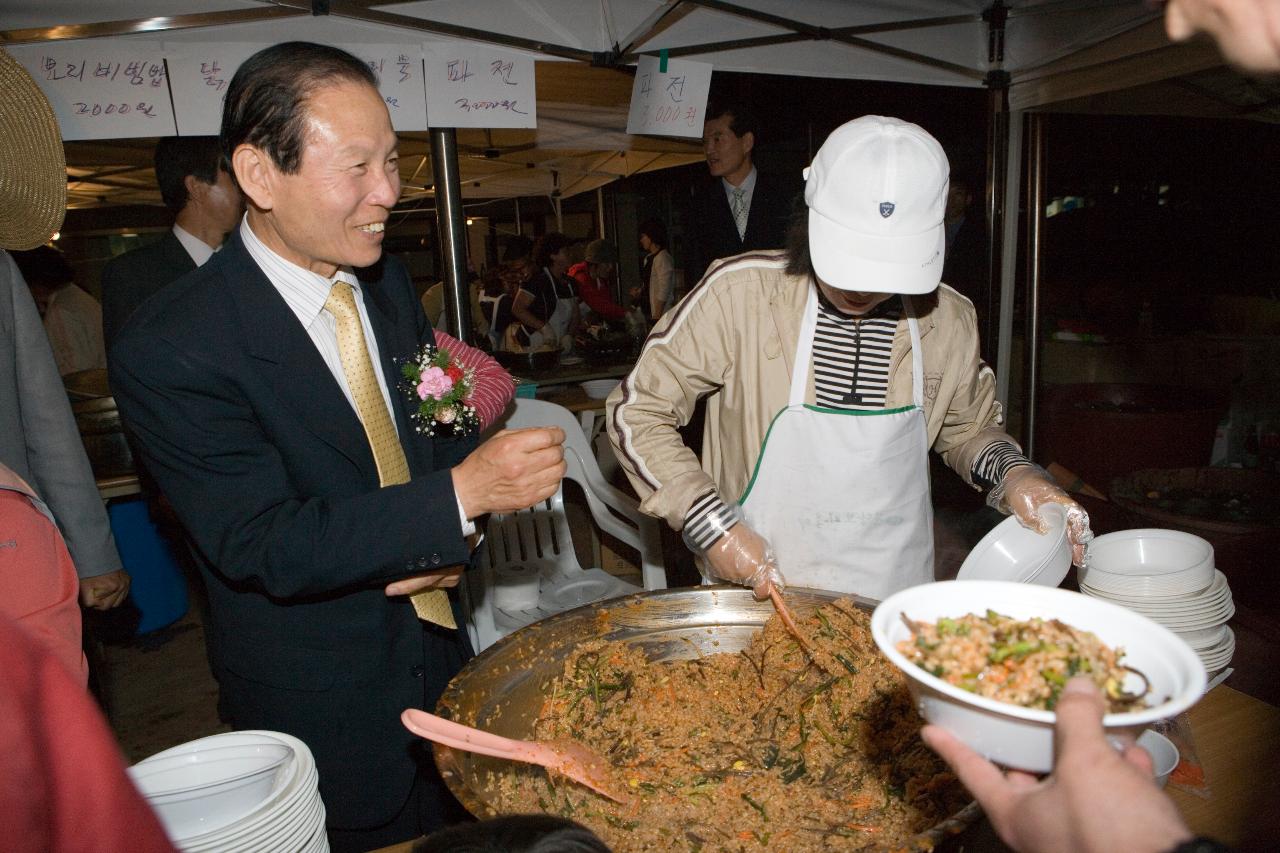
[(130, 279), (269, 469), (713, 233)]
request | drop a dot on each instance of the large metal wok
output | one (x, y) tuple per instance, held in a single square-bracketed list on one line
[(502, 689)]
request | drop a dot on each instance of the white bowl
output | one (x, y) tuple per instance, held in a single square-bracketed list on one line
[(1011, 552), (1149, 561), (209, 788), (1023, 737), (1164, 755), (294, 785), (598, 389)]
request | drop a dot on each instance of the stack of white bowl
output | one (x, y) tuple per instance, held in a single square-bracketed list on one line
[(1170, 577), (249, 792)]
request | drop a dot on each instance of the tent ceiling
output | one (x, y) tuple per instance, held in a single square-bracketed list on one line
[(940, 42)]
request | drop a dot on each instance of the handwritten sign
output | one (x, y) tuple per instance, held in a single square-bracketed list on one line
[(200, 74), (473, 86), (102, 91), (670, 101), (399, 70)]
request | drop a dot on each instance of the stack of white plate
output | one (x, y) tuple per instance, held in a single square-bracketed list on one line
[(249, 792), (1170, 577)]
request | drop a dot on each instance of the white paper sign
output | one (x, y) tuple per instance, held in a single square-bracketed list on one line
[(200, 74), (473, 86), (399, 70), (671, 102), (99, 90)]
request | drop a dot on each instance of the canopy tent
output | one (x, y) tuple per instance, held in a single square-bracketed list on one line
[(938, 42), (1031, 54)]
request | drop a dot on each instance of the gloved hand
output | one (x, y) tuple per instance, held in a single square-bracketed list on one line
[(1028, 487), (742, 556)]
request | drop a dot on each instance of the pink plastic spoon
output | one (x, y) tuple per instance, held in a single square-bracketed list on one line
[(566, 757)]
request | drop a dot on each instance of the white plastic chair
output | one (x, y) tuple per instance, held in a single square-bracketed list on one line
[(539, 538)]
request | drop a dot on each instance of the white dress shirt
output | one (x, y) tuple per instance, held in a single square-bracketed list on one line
[(199, 250)]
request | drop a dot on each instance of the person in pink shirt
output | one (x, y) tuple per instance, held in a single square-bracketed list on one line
[(63, 785), (38, 583)]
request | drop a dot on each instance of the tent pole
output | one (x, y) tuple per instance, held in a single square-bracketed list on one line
[(450, 222), (519, 224), (1035, 221), (1009, 255), (600, 211), (997, 169)]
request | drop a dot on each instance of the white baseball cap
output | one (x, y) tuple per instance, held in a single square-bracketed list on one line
[(877, 193)]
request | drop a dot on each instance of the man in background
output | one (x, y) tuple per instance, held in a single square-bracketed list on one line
[(741, 208), (205, 204)]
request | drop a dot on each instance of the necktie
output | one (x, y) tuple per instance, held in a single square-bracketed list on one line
[(393, 469), (739, 207)]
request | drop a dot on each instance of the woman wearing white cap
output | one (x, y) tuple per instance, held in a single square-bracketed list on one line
[(833, 367)]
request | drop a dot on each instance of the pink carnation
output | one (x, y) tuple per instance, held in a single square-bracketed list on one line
[(434, 383)]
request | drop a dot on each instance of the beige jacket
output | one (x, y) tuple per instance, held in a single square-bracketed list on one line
[(734, 338)]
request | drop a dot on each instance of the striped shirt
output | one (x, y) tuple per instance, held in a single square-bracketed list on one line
[(851, 372), (851, 356)]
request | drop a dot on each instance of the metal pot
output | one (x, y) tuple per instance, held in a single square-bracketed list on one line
[(528, 362), (501, 690)]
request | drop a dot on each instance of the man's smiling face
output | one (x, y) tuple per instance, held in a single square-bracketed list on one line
[(332, 212)]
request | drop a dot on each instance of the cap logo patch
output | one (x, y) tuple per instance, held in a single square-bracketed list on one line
[(886, 209)]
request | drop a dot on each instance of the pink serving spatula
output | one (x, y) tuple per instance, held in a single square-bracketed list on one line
[(563, 756)]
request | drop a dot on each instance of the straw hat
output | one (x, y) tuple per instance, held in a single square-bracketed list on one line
[(33, 168)]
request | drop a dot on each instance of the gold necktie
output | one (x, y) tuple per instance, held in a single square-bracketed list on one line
[(393, 469)]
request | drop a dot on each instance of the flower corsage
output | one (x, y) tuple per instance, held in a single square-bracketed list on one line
[(442, 390)]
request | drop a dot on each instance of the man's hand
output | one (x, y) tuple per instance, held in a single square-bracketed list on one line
[(1096, 800), (442, 579), (105, 591), (513, 470)]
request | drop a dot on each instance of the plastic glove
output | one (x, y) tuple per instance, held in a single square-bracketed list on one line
[(1028, 487), (742, 556)]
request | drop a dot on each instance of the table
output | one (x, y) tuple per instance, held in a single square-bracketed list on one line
[(572, 374), (560, 386), (1237, 739), (118, 487)]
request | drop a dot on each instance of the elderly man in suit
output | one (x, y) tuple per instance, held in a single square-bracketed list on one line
[(261, 391), (205, 204), (741, 208)]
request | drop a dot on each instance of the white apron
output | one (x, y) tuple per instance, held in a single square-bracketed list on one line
[(558, 324), (843, 497)]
